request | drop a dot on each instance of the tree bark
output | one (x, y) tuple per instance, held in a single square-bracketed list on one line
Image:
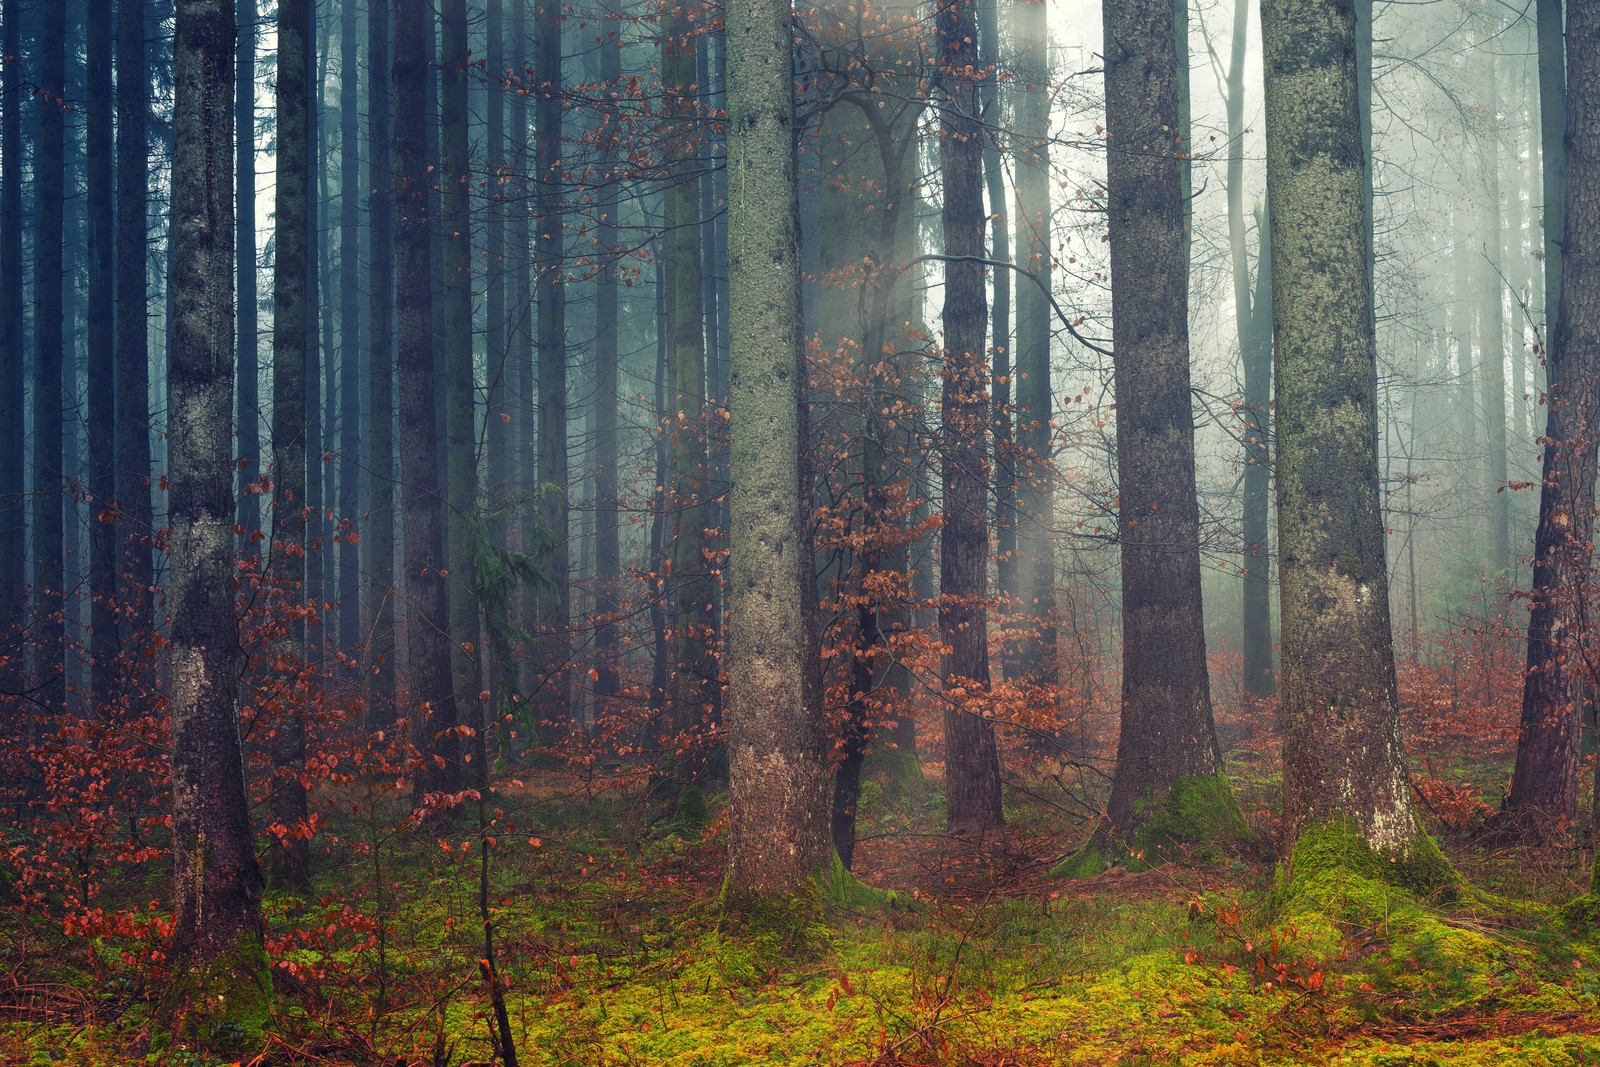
[(608, 548), (1253, 323), (293, 364), (778, 773), (1550, 26), (13, 456), (422, 501), (694, 668), (1491, 323), (248, 412), (217, 908), (104, 641), (49, 188), (1544, 782), (380, 372), (1035, 469), (1167, 729), (349, 502), (972, 766), (1343, 759), (549, 247)]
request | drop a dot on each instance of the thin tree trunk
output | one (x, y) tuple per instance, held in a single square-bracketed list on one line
[(1344, 764), (136, 525), (1253, 323), (778, 773), (1491, 323), (293, 366), (49, 185), (550, 244), (217, 888), (1550, 27), (248, 412), (349, 502), (432, 691), (1005, 446), (694, 669), (608, 549), (380, 373), (972, 767), (1035, 478), (13, 457), (105, 645)]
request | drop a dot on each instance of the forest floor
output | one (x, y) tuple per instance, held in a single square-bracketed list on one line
[(608, 937)]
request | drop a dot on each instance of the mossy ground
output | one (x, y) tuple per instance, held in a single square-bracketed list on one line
[(616, 952)]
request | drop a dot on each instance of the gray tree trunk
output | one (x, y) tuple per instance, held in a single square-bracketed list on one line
[(101, 424), (778, 772), (13, 456), (247, 415), (217, 888), (972, 766), (293, 365), (422, 504), (1343, 759), (380, 373), (49, 189), (1167, 730)]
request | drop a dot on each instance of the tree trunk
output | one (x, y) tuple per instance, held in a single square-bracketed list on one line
[(778, 773), (608, 549), (49, 189), (292, 365), (1343, 759), (349, 502), (1253, 323), (248, 412), (13, 458), (972, 766), (1035, 477), (1550, 27), (217, 908), (1544, 782), (1491, 323), (554, 607), (1168, 735), (380, 374), (105, 644), (422, 502), (1005, 444), (694, 669)]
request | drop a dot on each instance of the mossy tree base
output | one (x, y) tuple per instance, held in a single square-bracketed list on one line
[(223, 1003), (1338, 850), (795, 918), (1198, 812)]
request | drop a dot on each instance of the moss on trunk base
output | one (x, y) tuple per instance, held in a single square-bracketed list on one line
[(1199, 811), (223, 1003)]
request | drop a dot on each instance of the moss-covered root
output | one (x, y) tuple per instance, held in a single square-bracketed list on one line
[(223, 1003), (1338, 850), (1199, 811)]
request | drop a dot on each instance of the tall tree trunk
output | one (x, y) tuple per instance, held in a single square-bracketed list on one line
[(49, 185), (293, 367), (1343, 760), (520, 330), (778, 772), (550, 243), (972, 766), (380, 372), (422, 503), (105, 645), (694, 670), (1491, 322), (1005, 446), (349, 502), (608, 548), (1168, 741), (1544, 782), (1253, 323), (13, 458), (459, 385), (1550, 28), (135, 596), (217, 888), (498, 432), (248, 413), (1035, 479)]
